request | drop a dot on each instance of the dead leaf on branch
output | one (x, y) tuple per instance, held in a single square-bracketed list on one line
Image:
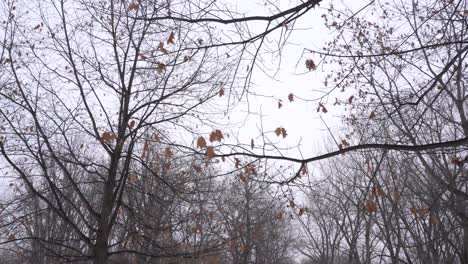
[(107, 137), (168, 152), (197, 168), (310, 65), (170, 40), (221, 92), (281, 131), (210, 152), (161, 68), (301, 211), (280, 103), (291, 97), (252, 145), (321, 106), (237, 162), (243, 178), (279, 216), (201, 142), (371, 207), (216, 135), (133, 6), (161, 48)]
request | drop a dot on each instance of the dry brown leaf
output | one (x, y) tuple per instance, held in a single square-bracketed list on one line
[(304, 170), (221, 92), (167, 167), (201, 142), (279, 216), (279, 104), (283, 132), (292, 204), (197, 168), (216, 135), (301, 211), (107, 137), (168, 152), (161, 68), (133, 6), (243, 178), (210, 152), (161, 48), (291, 97), (310, 65), (237, 162), (252, 145), (371, 207), (170, 40), (278, 131), (132, 124)]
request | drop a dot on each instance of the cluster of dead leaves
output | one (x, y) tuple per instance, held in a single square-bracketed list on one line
[(290, 98), (281, 131)]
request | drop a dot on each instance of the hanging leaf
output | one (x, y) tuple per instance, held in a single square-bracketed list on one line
[(278, 131), (292, 204), (107, 137), (161, 68), (371, 207), (243, 178), (304, 170), (197, 168), (145, 149), (132, 124), (345, 143), (252, 143), (210, 152), (291, 97), (201, 142), (279, 216), (321, 106), (133, 6), (350, 99), (170, 40), (310, 65), (372, 115), (237, 162), (161, 48), (279, 104), (167, 167), (283, 132), (216, 135), (221, 92), (168, 152), (465, 12), (301, 211)]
